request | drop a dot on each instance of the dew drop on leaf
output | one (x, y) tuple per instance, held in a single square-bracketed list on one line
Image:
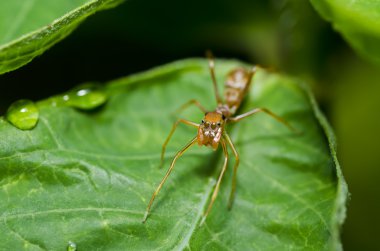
[(23, 114), (71, 246), (86, 96)]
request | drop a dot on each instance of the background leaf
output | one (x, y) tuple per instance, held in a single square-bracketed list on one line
[(358, 21), (30, 27), (86, 177)]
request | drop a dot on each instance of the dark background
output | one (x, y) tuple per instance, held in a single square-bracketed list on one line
[(285, 34)]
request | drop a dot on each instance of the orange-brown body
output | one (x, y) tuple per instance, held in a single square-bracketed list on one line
[(211, 129), (237, 83)]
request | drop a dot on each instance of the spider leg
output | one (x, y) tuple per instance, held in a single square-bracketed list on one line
[(187, 146), (233, 186), (189, 103), (257, 110), (217, 186), (184, 121), (211, 65)]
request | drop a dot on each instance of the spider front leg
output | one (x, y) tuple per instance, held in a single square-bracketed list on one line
[(184, 121), (233, 186), (179, 154), (211, 65), (216, 189)]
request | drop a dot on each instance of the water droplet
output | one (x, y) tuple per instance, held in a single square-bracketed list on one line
[(23, 114), (86, 96), (71, 246)]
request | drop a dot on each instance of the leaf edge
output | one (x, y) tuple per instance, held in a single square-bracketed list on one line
[(340, 206), (71, 21)]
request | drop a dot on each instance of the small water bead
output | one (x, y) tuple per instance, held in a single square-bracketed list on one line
[(71, 246), (23, 114), (86, 97)]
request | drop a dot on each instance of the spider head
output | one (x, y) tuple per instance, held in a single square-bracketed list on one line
[(211, 129)]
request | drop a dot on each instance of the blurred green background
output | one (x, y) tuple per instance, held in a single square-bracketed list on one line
[(285, 34)]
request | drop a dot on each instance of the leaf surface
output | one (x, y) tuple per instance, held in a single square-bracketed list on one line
[(30, 27), (87, 177), (358, 21)]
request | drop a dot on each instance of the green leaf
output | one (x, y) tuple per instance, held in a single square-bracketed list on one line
[(358, 21), (86, 177), (30, 27)]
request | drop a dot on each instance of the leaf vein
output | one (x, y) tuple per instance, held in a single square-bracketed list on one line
[(291, 193), (68, 210)]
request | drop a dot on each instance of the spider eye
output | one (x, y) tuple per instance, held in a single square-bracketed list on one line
[(203, 121), (218, 124)]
